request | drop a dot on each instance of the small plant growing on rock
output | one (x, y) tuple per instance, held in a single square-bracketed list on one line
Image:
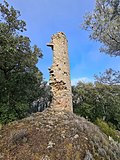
[(108, 130), (18, 137)]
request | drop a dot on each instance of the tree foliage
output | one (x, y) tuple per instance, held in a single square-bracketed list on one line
[(108, 129), (98, 100), (110, 77), (104, 24), (20, 79)]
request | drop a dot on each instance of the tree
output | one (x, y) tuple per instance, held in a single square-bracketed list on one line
[(20, 79), (103, 98), (97, 100), (104, 24), (110, 77)]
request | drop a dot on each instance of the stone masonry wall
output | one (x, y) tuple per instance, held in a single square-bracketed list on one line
[(60, 73)]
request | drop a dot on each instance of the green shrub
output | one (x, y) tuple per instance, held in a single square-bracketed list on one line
[(109, 130), (9, 114)]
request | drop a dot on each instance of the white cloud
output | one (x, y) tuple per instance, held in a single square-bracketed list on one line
[(74, 81)]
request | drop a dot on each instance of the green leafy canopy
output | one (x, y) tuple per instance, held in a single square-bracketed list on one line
[(104, 24), (20, 79)]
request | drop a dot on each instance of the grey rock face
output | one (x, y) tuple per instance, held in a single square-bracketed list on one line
[(88, 156)]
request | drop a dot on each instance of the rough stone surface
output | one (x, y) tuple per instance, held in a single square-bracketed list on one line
[(55, 135), (60, 73)]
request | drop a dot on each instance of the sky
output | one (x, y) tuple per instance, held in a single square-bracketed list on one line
[(47, 17)]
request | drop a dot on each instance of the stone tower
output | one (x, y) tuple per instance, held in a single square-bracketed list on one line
[(60, 74)]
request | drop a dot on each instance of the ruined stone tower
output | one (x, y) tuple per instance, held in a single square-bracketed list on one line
[(60, 74)]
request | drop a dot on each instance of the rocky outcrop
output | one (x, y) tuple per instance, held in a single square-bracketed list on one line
[(60, 74), (55, 135)]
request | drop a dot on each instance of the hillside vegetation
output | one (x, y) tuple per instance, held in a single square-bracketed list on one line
[(56, 135)]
